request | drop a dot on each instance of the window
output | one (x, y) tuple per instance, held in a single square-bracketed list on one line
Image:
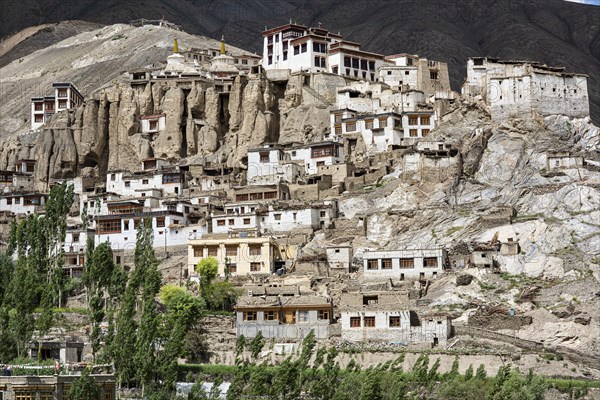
[(425, 120), (76, 237), (355, 63), (254, 250), (171, 178), (270, 195), (113, 177), (320, 163), (383, 122), (220, 222), (231, 222), (277, 217), (271, 316), (433, 75), (109, 226), (296, 50), (347, 62), (369, 322), (395, 322), (213, 251), (323, 315), (255, 266), (432, 262), (397, 123), (62, 104), (389, 72), (386, 263), (304, 47), (371, 65), (231, 251), (368, 124), (198, 251), (127, 184), (250, 315), (232, 268), (372, 264), (264, 157), (413, 133), (153, 125), (350, 126), (406, 73), (246, 221), (413, 119), (302, 316), (363, 64), (285, 56), (39, 118), (322, 214), (160, 222), (425, 132), (144, 181), (407, 263), (354, 322), (8, 201)]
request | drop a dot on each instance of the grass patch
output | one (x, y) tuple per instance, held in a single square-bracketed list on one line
[(454, 229)]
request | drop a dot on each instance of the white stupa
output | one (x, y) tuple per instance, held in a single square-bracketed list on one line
[(223, 65), (176, 64)]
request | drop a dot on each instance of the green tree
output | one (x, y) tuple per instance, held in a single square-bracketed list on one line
[(147, 277), (85, 387), (256, 345), (371, 389), (183, 311), (208, 270), (469, 373), (480, 374)]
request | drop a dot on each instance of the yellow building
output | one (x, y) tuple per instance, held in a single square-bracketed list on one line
[(241, 252)]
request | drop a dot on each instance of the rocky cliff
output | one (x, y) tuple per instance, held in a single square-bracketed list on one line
[(104, 133)]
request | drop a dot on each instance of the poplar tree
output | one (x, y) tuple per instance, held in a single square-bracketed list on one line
[(147, 277)]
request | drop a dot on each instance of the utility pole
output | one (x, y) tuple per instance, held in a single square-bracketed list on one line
[(166, 253)]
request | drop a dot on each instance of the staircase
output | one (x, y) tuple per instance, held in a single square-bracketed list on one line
[(318, 99)]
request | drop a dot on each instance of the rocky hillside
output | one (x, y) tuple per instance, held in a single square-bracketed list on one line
[(498, 165), (555, 32), (38, 37)]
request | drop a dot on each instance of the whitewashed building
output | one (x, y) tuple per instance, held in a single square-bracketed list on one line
[(339, 257), (317, 154), (153, 123), (298, 48), (171, 222), (404, 264), (270, 164), (518, 88), (156, 174), (408, 71), (556, 161), (66, 96), (273, 218), (381, 117), (387, 317), (23, 203)]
